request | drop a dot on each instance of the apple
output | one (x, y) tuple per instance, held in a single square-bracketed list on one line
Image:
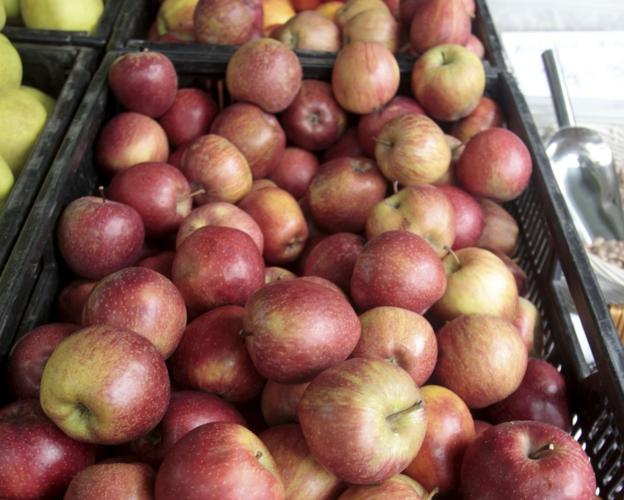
[(258, 135), (347, 146), (113, 480), (314, 120), (272, 86), (303, 477), (301, 5), (216, 461), (177, 157), (215, 266), (145, 82), (258, 184), (71, 299), (38, 460), (365, 77), (373, 25), (276, 13), (478, 282), (422, 210), (530, 459), (518, 273), (330, 8), (448, 81), (402, 337), (529, 324), (352, 8), (507, 171), (29, 355), (220, 214), (161, 263), (175, 18), (500, 233), (279, 402), (400, 269), (295, 170), (399, 486), (469, 219), (475, 46), (411, 149), (407, 9), (228, 22), (97, 237), (481, 358), (189, 117), (130, 138), (480, 427), (438, 22), (486, 115), (363, 420), (187, 410), (450, 429), (309, 30)]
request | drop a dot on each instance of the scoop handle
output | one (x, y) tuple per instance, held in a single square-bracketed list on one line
[(558, 90)]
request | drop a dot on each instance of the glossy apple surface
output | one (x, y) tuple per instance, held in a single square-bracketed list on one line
[(295, 170), (189, 117), (114, 480)]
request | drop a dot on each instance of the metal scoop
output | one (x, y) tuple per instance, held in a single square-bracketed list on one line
[(583, 165)]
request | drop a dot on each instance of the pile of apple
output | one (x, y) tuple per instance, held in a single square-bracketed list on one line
[(188, 280)]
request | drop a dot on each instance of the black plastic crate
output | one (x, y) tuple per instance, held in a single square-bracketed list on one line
[(548, 244), (98, 39)]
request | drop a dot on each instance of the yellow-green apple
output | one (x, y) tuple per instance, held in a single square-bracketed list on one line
[(281, 220), (160, 262), (314, 120), (275, 273), (373, 25), (469, 219), (145, 82), (412, 149), (295, 170), (448, 81), (61, 15), (401, 337), (130, 138), (216, 461), (97, 237), (475, 46), (12, 10), (330, 8), (38, 460), (344, 192), (333, 258), (294, 329), (272, 86), (12, 67), (450, 429), (175, 19), (352, 8), (370, 125), (438, 22), (423, 210), (400, 269), (71, 300), (528, 460), (542, 397), (363, 419), (481, 358), (223, 215), (7, 179), (141, 300), (159, 192), (303, 477), (495, 164), (529, 324), (29, 355), (276, 12), (487, 114), (478, 282), (189, 117), (480, 427), (347, 146), (399, 486), (187, 410), (113, 480), (228, 22), (215, 266), (309, 30), (258, 135), (279, 402), (500, 232), (212, 357), (365, 77), (118, 390)]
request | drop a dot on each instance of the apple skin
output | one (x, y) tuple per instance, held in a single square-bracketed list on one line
[(407, 9), (513, 457), (448, 82), (71, 300), (347, 146), (373, 25), (227, 22), (113, 480), (439, 22), (365, 77), (303, 477), (352, 8), (363, 420), (272, 86), (480, 358), (162, 263), (370, 125), (212, 357), (175, 18), (399, 269), (275, 273), (480, 427), (130, 138), (278, 314), (542, 397), (314, 120), (29, 355), (500, 233), (295, 170), (412, 149), (177, 157), (399, 487), (279, 402), (450, 429), (215, 266), (144, 82), (187, 410), (402, 337), (486, 115), (38, 460), (189, 117), (258, 135), (157, 191), (529, 324), (310, 30), (97, 237), (343, 194), (219, 460), (469, 219)]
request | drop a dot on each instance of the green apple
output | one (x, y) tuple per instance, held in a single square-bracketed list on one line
[(12, 9), (64, 15), (2, 15), (47, 101), (10, 64), (6, 181)]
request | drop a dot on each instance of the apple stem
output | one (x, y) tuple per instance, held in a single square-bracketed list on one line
[(395, 188), (431, 494), (542, 452), (258, 454), (101, 190), (416, 406), (449, 250), (243, 333), (197, 192)]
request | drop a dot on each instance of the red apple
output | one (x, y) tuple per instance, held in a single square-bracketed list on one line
[(71, 300), (469, 219), (309, 30), (228, 22), (480, 427), (500, 233), (486, 115), (399, 486), (407, 9), (373, 26), (295, 170), (301, 5), (177, 157), (347, 146), (113, 480), (161, 263), (475, 46), (529, 325), (189, 117), (438, 22), (279, 402), (274, 273)]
